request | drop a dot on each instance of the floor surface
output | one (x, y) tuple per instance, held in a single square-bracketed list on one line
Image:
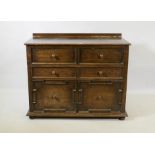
[(14, 105)]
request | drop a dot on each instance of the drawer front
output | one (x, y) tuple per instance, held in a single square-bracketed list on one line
[(101, 72), (53, 72), (101, 55), (53, 55)]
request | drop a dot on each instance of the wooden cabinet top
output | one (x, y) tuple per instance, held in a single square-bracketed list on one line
[(77, 39)]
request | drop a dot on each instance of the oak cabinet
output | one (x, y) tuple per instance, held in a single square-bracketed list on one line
[(77, 75)]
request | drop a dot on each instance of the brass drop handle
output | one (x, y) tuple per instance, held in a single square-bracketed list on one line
[(53, 55), (100, 73), (54, 73), (101, 56)]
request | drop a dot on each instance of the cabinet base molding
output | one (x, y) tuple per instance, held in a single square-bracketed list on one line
[(118, 115)]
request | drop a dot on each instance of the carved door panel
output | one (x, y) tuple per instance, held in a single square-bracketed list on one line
[(54, 96), (101, 96)]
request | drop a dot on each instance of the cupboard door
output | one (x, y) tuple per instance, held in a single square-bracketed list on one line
[(100, 96), (53, 96)]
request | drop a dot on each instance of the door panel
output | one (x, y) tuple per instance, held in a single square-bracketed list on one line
[(101, 96), (54, 96)]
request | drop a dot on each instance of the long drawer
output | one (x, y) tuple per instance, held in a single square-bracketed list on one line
[(62, 72)]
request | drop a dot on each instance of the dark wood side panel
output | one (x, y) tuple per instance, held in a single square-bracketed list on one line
[(125, 75), (29, 71)]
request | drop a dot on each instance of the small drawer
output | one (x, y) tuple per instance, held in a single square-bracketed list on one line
[(53, 72), (53, 55), (100, 72), (101, 55)]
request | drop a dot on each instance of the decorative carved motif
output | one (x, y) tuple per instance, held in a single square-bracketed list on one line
[(100, 97), (52, 99), (120, 94), (34, 96)]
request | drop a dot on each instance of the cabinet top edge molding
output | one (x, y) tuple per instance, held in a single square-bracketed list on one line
[(77, 39), (78, 35)]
